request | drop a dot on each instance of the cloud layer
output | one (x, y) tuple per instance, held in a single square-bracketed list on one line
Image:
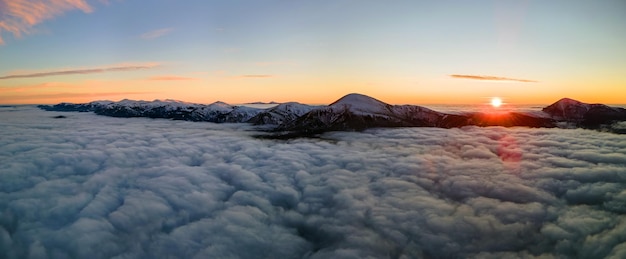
[(79, 71), (492, 78), (88, 185), (18, 17)]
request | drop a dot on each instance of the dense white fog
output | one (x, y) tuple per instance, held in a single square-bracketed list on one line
[(89, 186)]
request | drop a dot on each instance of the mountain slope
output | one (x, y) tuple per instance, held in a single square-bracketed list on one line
[(357, 112), (169, 109), (584, 114), (361, 105), (353, 112), (281, 113)]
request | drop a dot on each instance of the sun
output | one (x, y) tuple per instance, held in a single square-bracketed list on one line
[(496, 102)]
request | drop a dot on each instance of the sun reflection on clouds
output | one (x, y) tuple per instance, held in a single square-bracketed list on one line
[(510, 153)]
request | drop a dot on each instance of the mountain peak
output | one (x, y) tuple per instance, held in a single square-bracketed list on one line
[(568, 101), (355, 98), (563, 103), (220, 104), (568, 108), (359, 103)]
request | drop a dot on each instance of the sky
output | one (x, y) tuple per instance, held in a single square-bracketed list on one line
[(403, 52)]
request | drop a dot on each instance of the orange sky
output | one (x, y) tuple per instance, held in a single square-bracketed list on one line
[(413, 52), (313, 91)]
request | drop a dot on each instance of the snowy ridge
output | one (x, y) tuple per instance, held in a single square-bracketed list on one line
[(170, 109), (361, 104), (281, 113), (352, 112), (584, 114), (221, 106), (357, 112), (567, 108)]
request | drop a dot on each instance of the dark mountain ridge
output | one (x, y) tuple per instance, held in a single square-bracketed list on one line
[(584, 114), (354, 112)]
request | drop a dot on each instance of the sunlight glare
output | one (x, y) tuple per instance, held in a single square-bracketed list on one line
[(496, 102)]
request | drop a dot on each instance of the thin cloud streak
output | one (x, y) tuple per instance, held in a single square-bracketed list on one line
[(18, 17), (492, 78), (119, 68), (155, 34)]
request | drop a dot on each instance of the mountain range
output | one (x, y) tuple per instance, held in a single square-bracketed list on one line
[(356, 112)]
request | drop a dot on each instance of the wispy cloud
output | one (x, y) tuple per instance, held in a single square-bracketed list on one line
[(19, 17), (94, 70), (155, 34), (170, 78), (492, 78)]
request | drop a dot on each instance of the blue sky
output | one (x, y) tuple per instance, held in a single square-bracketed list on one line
[(314, 51)]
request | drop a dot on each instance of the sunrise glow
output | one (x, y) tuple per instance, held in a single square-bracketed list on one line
[(414, 52), (496, 102), (312, 129)]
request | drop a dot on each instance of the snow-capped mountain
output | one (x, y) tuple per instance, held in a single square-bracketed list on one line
[(222, 112), (72, 107), (584, 114), (361, 105), (351, 112), (357, 111), (281, 113), (170, 109)]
